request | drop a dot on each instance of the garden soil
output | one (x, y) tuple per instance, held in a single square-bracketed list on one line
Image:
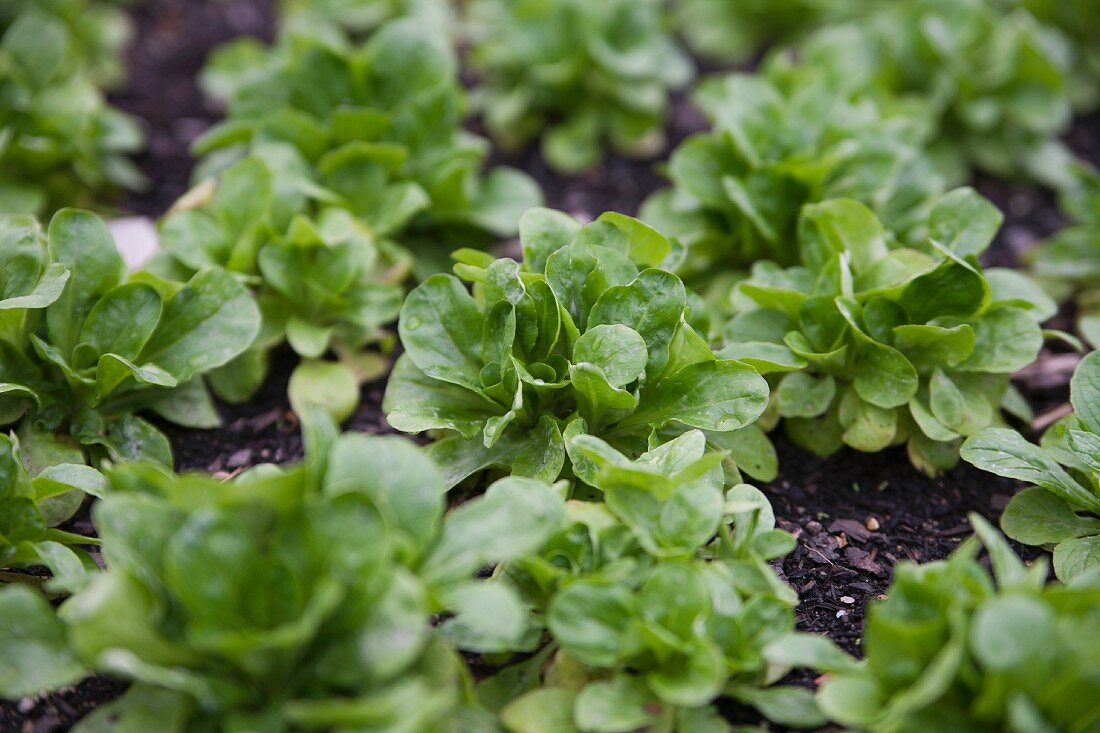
[(855, 516)]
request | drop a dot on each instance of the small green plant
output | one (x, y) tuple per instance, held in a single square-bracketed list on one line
[(368, 117), (648, 606), (587, 335), (781, 140), (871, 344), (1076, 19), (579, 75), (954, 649), (60, 142), (999, 81), (1069, 262), (339, 170), (84, 348), (34, 500), (1063, 511), (289, 599)]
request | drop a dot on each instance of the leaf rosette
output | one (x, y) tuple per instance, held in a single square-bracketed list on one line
[(84, 347), (870, 344), (588, 335)]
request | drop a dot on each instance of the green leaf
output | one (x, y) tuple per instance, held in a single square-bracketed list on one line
[(804, 395), (82, 243), (327, 384), (207, 323), (1010, 632), (850, 700), (964, 221), (405, 487), (34, 653), (113, 371), (122, 321), (840, 225), (415, 402), (619, 705), (1076, 557), (589, 620), (785, 705), (515, 516), (819, 653), (1037, 517), (1085, 392), (711, 395), (545, 710), (440, 329), (489, 617), (617, 350), (1006, 453), (1005, 339), (652, 305), (542, 232)]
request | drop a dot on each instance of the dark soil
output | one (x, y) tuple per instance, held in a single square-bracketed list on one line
[(172, 40), (855, 516), (58, 711)]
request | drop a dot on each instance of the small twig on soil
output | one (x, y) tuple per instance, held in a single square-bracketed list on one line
[(1048, 418), (1049, 371)]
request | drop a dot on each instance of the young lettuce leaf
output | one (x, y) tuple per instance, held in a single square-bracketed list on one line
[(84, 348), (870, 344), (1063, 511), (340, 168), (1068, 263), (588, 335), (579, 75), (61, 144), (735, 30)]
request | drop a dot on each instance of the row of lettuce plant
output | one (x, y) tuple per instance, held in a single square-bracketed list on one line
[(61, 144), (336, 595)]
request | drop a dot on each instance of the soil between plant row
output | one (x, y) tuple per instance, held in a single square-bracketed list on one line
[(854, 516)]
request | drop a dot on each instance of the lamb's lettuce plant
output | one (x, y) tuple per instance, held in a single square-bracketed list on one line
[(84, 348), (34, 500), (296, 598), (1069, 262), (60, 142), (780, 140), (339, 170), (647, 607), (956, 648), (872, 345), (998, 81), (326, 278), (1077, 19), (579, 75), (588, 335), (1063, 510)]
